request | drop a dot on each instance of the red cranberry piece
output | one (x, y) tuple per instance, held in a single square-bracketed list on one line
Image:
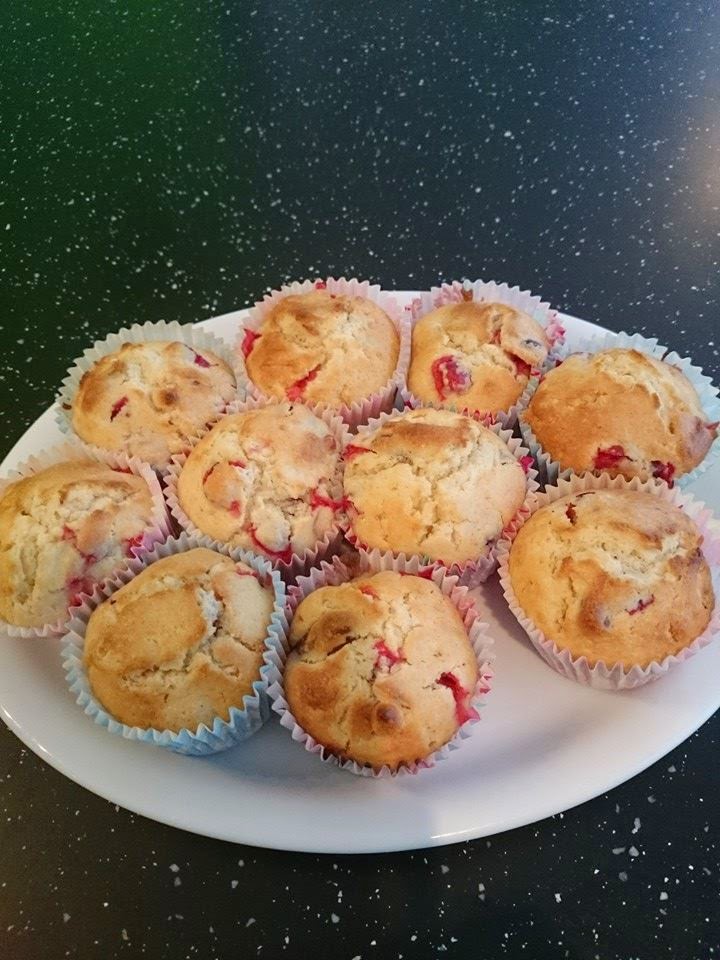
[(200, 360), (240, 464), (248, 342), (368, 591), (385, 653), (450, 376), (320, 285), (463, 710), (68, 533), (664, 471), (296, 390), (285, 555), (234, 508), (571, 513), (526, 463), (132, 542), (77, 587), (318, 500), (352, 450), (117, 407), (522, 368), (642, 605), (609, 458)]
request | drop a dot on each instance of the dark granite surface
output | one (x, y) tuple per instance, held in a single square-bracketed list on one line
[(173, 160)]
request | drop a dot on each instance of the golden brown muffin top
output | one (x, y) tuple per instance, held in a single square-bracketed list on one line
[(623, 412), (323, 348), (475, 355), (616, 576), (381, 669), (181, 643), (62, 530), (148, 400)]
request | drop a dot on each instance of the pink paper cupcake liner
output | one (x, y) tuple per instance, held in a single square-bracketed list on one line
[(361, 411), (473, 572), (192, 336), (550, 470), (68, 451), (614, 676), (336, 573), (300, 562), (496, 293), (244, 720)]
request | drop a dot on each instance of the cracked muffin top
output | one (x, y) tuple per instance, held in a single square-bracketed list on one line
[(64, 529), (381, 670), (612, 575), (622, 412), (433, 483), (181, 643), (266, 479), (475, 355), (148, 400), (323, 348)]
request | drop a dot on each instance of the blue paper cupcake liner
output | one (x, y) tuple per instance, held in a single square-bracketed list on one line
[(223, 734)]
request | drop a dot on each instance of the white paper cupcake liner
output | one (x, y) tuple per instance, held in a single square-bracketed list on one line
[(158, 531), (473, 572), (550, 470), (194, 337), (363, 410), (300, 562), (614, 676), (223, 734), (496, 293), (336, 573)]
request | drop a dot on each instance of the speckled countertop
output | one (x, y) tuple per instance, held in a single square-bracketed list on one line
[(173, 160)]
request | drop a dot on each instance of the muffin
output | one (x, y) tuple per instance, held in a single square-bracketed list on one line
[(475, 355), (433, 483), (615, 576), (381, 670), (321, 347), (63, 530), (623, 412), (148, 400), (181, 643), (267, 479)]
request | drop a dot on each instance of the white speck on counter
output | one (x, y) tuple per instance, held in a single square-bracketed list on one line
[(335, 918), (250, 921), (634, 852), (66, 917), (636, 825), (622, 876), (444, 868), (663, 895), (617, 850), (174, 868), (558, 898), (233, 884)]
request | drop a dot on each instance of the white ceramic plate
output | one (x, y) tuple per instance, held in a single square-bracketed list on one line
[(544, 743)]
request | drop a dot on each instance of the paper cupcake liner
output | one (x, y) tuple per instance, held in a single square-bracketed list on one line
[(70, 451), (189, 334), (336, 573), (471, 573), (498, 293), (614, 676), (223, 734), (551, 470), (363, 410), (300, 562)]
